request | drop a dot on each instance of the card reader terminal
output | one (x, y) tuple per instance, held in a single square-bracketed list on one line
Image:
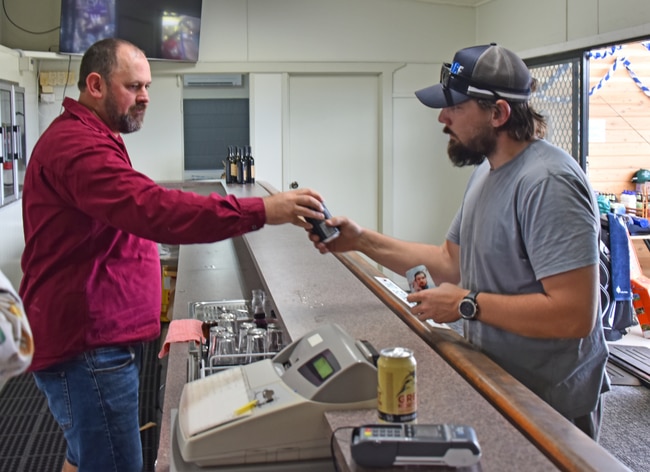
[(388, 445)]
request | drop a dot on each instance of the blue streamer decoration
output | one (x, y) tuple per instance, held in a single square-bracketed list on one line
[(619, 60), (605, 53)]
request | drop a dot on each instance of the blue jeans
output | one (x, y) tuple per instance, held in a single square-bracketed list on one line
[(94, 399)]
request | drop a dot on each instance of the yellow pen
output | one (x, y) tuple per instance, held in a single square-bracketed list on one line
[(246, 408)]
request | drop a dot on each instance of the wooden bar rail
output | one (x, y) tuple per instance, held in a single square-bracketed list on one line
[(564, 444)]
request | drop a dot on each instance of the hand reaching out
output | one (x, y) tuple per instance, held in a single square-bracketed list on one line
[(292, 206)]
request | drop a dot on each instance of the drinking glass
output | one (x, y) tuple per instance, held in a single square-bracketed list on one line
[(226, 345), (244, 327), (273, 337), (228, 320), (214, 333), (255, 344)]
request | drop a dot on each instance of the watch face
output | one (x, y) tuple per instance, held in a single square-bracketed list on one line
[(467, 308)]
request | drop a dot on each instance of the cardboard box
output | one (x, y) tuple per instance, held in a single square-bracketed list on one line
[(641, 302), (168, 274)]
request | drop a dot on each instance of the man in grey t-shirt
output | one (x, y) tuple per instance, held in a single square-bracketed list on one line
[(520, 262)]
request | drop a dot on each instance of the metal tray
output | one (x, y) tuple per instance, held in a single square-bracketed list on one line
[(199, 365), (205, 310)]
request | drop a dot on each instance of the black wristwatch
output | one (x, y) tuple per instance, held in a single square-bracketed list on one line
[(468, 308)]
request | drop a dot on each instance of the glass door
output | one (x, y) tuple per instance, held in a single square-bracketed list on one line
[(19, 140), (12, 137), (7, 176)]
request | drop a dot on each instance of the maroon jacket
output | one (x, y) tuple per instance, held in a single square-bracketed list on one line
[(91, 266)]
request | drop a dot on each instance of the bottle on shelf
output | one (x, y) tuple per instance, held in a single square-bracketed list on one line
[(251, 165), (232, 164), (245, 164), (241, 166), (227, 166)]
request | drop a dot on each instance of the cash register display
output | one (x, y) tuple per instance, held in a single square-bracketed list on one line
[(323, 368), (320, 367)]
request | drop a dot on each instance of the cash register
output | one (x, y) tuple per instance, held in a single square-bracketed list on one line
[(272, 410)]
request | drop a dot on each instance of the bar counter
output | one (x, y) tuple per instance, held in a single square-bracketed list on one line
[(455, 382)]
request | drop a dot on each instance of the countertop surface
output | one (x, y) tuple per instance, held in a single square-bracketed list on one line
[(310, 289)]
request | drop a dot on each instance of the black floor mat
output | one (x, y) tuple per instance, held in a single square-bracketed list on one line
[(633, 359), (618, 376), (30, 439)]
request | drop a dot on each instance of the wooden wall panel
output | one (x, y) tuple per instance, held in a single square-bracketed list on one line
[(624, 146), (643, 255), (613, 150)]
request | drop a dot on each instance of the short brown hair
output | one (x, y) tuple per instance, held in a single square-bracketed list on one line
[(101, 58)]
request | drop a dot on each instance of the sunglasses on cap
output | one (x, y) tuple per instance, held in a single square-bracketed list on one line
[(448, 72)]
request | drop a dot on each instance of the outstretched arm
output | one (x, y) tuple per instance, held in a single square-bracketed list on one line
[(392, 253)]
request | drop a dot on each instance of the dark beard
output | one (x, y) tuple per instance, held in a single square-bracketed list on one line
[(474, 152), (129, 124), (123, 123), (461, 156)]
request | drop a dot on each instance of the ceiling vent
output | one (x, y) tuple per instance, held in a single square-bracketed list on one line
[(213, 80)]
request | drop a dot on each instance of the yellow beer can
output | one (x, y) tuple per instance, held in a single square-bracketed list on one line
[(396, 385)]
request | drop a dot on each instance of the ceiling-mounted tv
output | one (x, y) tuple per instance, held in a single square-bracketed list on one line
[(163, 29)]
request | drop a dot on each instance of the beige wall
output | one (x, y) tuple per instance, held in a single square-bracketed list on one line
[(320, 36), (557, 25)]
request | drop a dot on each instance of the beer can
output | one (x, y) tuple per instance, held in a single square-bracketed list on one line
[(396, 385)]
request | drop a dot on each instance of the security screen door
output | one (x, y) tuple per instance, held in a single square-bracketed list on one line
[(561, 98)]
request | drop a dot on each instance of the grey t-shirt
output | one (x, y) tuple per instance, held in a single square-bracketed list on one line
[(531, 218)]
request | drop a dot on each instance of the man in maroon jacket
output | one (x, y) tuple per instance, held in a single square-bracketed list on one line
[(91, 284)]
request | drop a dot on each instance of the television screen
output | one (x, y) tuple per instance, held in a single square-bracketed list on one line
[(163, 29)]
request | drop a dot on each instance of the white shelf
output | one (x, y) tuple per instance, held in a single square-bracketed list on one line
[(47, 55)]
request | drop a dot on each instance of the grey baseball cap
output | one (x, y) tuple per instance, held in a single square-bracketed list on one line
[(489, 72)]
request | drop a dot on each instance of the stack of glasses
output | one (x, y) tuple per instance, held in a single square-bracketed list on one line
[(235, 341)]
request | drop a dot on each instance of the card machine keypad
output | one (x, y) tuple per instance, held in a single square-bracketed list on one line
[(385, 445)]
